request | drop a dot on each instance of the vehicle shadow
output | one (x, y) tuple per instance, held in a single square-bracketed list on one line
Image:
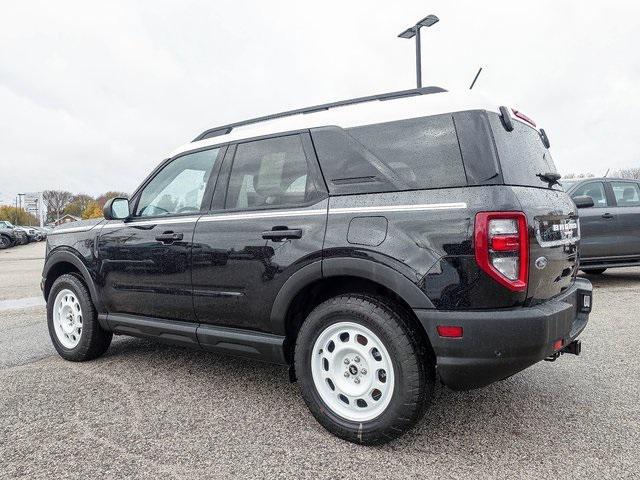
[(615, 277), (497, 414)]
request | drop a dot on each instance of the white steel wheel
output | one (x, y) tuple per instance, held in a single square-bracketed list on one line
[(352, 371), (67, 318)]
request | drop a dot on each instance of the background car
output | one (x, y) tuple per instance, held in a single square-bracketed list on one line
[(610, 229), (8, 236), (33, 235)]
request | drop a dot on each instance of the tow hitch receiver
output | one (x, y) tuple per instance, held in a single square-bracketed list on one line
[(574, 348)]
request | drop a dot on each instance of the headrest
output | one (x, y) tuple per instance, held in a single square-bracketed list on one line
[(268, 181), (628, 193)]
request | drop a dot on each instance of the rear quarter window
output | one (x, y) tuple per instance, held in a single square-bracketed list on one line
[(522, 154), (420, 153)]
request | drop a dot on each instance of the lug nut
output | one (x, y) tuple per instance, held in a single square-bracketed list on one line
[(364, 371), (357, 380), (346, 361), (346, 374), (357, 359)]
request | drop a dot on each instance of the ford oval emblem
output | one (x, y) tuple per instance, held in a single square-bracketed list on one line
[(541, 262)]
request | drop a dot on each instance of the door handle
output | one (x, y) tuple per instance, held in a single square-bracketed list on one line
[(607, 215), (169, 237), (278, 234)]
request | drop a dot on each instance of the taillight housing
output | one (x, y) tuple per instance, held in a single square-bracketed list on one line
[(502, 247)]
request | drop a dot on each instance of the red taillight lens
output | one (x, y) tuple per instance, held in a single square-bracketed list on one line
[(502, 247), (505, 243), (449, 331)]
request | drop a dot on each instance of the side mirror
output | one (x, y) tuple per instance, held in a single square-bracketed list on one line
[(116, 209), (583, 201)]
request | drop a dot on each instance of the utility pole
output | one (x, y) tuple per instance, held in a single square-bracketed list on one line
[(414, 31)]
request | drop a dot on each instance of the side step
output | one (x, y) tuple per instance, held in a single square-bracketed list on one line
[(232, 341)]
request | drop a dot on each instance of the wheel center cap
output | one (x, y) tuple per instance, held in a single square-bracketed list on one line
[(353, 370)]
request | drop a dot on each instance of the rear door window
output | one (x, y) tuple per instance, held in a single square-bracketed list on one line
[(594, 190), (419, 153), (269, 173), (523, 156), (627, 193)]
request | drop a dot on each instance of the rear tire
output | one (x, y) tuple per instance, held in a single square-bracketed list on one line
[(73, 322), (385, 400), (594, 271)]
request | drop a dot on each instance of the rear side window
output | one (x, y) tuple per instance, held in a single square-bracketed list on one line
[(522, 154), (419, 153), (269, 173), (627, 193)]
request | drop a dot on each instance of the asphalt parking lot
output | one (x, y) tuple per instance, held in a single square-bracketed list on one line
[(146, 410)]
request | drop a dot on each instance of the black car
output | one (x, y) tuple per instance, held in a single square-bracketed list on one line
[(9, 236), (609, 222), (372, 245)]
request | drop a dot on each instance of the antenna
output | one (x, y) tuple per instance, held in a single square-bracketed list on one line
[(607, 173), (476, 78)]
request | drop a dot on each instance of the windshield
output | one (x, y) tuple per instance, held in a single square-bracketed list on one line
[(6, 224), (523, 156)]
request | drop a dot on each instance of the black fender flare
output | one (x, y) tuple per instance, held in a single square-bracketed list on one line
[(353, 267), (294, 284), (61, 256)]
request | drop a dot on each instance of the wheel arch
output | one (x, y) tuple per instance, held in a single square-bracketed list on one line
[(316, 282), (62, 262)]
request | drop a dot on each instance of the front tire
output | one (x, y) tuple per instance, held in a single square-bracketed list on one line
[(5, 242), (73, 322), (363, 369)]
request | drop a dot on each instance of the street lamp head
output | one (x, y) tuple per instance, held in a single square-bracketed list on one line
[(425, 22), (428, 21), (408, 33)]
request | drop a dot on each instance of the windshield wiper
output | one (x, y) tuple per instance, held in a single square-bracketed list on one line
[(550, 177)]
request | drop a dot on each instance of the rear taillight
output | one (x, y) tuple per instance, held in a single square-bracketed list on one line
[(502, 247)]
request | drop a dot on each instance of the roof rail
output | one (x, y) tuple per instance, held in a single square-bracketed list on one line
[(225, 129)]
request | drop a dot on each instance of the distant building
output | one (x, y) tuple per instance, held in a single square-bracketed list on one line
[(66, 218), (34, 204)]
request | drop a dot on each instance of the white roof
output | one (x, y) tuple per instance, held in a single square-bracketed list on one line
[(356, 115)]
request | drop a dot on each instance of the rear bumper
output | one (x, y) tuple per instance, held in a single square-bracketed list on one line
[(499, 343)]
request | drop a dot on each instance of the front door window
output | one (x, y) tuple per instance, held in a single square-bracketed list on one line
[(179, 187)]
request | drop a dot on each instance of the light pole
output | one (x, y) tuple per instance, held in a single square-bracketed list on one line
[(20, 195), (415, 32)]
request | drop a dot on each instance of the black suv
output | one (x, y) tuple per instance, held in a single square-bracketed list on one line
[(372, 245)]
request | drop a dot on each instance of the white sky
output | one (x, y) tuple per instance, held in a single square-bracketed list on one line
[(94, 94)]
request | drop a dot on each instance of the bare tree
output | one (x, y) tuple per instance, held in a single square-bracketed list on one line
[(631, 172), (56, 200), (569, 176)]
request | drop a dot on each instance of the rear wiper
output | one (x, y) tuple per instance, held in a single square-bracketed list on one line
[(549, 177)]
